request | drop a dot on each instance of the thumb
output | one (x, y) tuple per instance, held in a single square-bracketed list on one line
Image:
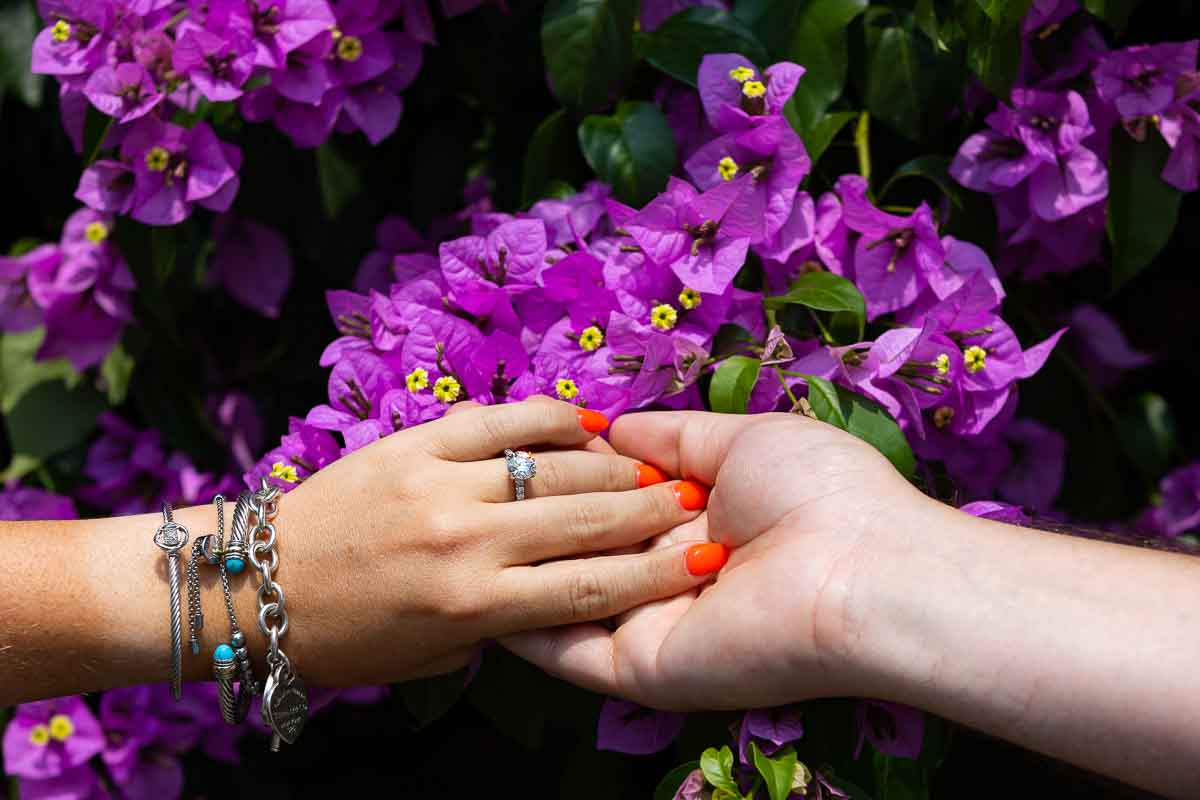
[(687, 444)]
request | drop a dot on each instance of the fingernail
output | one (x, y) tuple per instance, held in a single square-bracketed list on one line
[(592, 421), (691, 495), (705, 559), (648, 476)]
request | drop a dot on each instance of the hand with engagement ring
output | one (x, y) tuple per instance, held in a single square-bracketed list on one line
[(399, 559)]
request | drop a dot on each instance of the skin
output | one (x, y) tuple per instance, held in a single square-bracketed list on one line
[(847, 581), (397, 561)]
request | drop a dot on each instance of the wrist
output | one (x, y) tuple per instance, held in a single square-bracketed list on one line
[(873, 608)]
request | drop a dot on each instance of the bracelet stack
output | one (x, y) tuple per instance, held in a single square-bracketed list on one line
[(252, 539)]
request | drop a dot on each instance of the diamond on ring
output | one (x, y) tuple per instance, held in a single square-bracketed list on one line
[(521, 467)]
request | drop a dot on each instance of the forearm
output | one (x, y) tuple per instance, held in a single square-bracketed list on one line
[(1080, 649), (84, 605)]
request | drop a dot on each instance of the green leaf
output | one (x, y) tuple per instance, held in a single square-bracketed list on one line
[(429, 699), (548, 157), (778, 772), (115, 372), (19, 371), (588, 49), (732, 383), (904, 78), (900, 778), (717, 766), (50, 418), (824, 291), (669, 785), (1148, 431), (339, 179), (862, 145), (1114, 12), (678, 45), (864, 418), (18, 27), (994, 41), (818, 138), (1142, 208), (633, 150), (818, 41)]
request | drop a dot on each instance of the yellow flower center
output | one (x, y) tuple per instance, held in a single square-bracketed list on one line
[(728, 168), (664, 317), (417, 380), (754, 89), (96, 232), (335, 32), (741, 74), (591, 338), (447, 389), (566, 389), (942, 362), (690, 298), (943, 416), (157, 158), (349, 48), (61, 31), (285, 472), (61, 727), (39, 735), (975, 357)]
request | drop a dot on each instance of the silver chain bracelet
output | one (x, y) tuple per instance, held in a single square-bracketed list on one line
[(284, 698)]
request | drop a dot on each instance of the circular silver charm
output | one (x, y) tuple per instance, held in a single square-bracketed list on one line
[(171, 537), (521, 467)]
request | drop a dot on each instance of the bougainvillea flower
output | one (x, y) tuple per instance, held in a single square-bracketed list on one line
[(687, 231), (23, 502), (274, 27), (770, 729), (252, 262), (18, 311), (734, 92), (485, 274), (892, 729), (1140, 81), (893, 256), (304, 450), (124, 92), (773, 156), (47, 738), (629, 728), (218, 66), (76, 36), (1104, 350), (1036, 475), (175, 167), (1001, 512)]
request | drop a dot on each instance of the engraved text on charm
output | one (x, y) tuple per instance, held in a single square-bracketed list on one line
[(285, 707)]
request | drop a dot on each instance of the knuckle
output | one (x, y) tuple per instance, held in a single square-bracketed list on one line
[(499, 425), (621, 474), (445, 533), (587, 521), (588, 596)]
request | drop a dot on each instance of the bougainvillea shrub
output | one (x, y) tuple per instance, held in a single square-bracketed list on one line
[(254, 236)]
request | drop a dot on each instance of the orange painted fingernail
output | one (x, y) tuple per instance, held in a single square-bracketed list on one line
[(649, 475), (691, 495), (592, 421), (705, 559)]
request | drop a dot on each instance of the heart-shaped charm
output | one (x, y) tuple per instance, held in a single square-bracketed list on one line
[(286, 707)]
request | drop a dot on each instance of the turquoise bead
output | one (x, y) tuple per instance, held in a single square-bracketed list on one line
[(235, 565), (223, 653)]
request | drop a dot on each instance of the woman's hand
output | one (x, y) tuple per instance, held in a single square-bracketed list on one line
[(805, 506), (398, 559)]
